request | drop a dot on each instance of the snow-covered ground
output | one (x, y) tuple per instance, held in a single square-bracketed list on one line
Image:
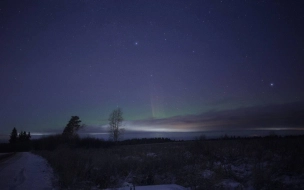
[(25, 171)]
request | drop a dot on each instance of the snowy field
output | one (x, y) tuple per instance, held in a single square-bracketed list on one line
[(25, 171)]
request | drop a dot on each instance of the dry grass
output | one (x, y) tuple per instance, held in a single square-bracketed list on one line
[(257, 163)]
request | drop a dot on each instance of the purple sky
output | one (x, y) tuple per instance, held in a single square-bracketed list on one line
[(172, 66)]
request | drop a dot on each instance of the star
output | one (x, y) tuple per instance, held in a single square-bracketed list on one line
[(271, 84), (136, 43)]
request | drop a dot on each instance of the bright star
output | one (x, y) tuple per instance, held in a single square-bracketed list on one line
[(271, 84), (136, 43)]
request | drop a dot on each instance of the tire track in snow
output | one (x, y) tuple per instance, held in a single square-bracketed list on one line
[(25, 171), (18, 180)]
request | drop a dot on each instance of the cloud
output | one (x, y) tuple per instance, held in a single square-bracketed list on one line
[(274, 116)]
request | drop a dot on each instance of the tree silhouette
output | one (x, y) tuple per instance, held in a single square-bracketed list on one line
[(23, 137), (115, 120), (72, 127), (13, 137)]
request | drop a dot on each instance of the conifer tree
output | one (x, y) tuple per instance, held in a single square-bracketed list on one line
[(13, 137), (72, 127), (23, 137)]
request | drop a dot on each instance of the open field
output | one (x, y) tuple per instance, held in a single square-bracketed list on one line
[(263, 163)]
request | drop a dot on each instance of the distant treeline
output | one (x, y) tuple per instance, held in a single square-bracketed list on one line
[(145, 141), (52, 142), (270, 136)]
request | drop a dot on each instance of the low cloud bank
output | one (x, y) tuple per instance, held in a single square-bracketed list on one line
[(271, 117)]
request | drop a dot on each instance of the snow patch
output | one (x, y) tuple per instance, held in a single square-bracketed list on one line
[(230, 184), (151, 154), (207, 174)]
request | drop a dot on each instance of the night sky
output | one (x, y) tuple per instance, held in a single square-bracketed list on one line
[(171, 66)]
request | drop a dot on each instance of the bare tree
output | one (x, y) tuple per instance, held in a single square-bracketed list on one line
[(115, 121)]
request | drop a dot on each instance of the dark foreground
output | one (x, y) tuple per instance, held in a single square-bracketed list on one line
[(262, 163)]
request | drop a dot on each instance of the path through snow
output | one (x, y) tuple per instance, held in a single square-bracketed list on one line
[(25, 171)]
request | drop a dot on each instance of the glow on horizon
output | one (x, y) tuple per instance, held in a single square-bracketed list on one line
[(278, 129), (163, 129)]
